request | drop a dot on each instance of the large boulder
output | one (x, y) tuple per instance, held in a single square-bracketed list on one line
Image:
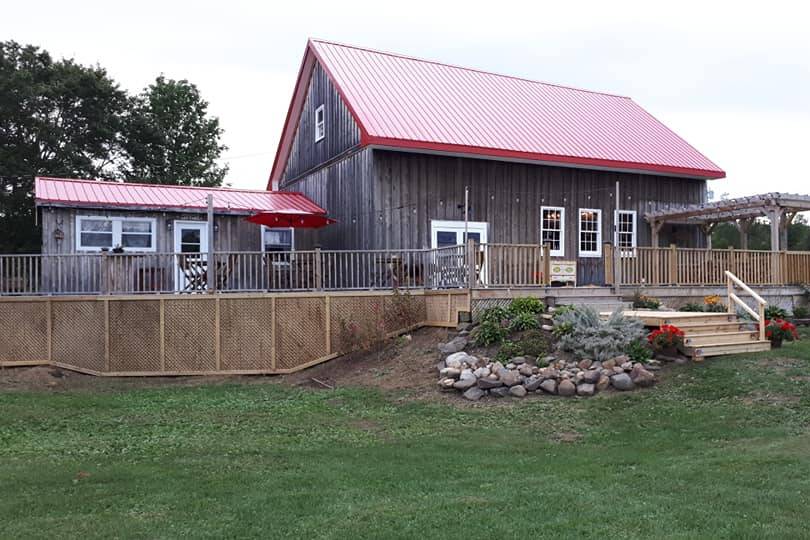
[(622, 381), (489, 383), (586, 389), (481, 372), (566, 388), (602, 383), (525, 370), (518, 390), (467, 374), (509, 377), (533, 383), (456, 359), (501, 391), (549, 386), (591, 376), (641, 377), (464, 384), (474, 393), (454, 345), (450, 372)]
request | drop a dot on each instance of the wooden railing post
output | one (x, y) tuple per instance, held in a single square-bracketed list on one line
[(673, 264), (318, 270), (105, 272), (730, 292), (607, 257), (471, 278), (547, 264)]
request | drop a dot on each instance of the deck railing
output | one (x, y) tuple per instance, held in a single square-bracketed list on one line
[(235, 271), (759, 314), (689, 266), (512, 265)]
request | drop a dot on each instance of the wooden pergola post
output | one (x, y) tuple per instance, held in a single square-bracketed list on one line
[(743, 226), (655, 228)]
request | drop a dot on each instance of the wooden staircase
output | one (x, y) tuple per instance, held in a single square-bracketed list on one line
[(718, 333)]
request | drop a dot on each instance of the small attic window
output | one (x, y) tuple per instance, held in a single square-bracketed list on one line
[(320, 124)]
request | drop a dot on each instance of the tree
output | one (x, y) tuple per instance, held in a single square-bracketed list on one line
[(170, 139), (56, 118)]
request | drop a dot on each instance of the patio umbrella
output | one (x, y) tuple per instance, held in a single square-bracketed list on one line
[(291, 219)]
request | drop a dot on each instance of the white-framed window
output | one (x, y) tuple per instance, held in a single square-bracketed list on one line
[(277, 239), (95, 233), (626, 235), (320, 123), (451, 233), (590, 232), (552, 229)]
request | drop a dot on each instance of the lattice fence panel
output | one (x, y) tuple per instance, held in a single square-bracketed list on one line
[(403, 311), (190, 334), (246, 333), (135, 335), (78, 333), (23, 331), (356, 321), (301, 331), (481, 304)]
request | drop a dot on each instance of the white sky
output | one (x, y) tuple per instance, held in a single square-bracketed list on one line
[(731, 78)]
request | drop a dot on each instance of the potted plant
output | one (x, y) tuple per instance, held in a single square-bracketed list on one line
[(779, 330), (666, 339)]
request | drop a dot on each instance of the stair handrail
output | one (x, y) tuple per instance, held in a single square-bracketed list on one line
[(759, 315)]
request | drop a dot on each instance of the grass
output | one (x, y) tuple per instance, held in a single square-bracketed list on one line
[(719, 450)]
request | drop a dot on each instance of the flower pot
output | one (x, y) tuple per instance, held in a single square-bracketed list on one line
[(776, 343), (669, 351)]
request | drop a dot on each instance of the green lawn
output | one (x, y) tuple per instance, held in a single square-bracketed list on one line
[(719, 450)]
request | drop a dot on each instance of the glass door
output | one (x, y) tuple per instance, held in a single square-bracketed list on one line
[(191, 255)]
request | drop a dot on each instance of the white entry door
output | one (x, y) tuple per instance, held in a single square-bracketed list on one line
[(451, 233), (191, 247)]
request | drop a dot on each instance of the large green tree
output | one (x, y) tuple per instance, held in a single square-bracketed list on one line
[(56, 118), (170, 138)]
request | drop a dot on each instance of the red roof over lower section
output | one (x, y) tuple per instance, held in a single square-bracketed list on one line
[(93, 193), (403, 102)]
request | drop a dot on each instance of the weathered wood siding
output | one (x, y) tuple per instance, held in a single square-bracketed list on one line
[(410, 189), (342, 133), (386, 200), (345, 188), (233, 232)]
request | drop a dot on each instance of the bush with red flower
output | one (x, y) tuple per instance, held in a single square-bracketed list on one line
[(778, 330), (668, 336)]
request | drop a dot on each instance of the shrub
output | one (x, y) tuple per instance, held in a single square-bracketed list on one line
[(494, 314), (801, 312), (559, 311), (529, 305), (665, 337), (534, 343), (592, 337), (775, 312), (638, 351), (489, 332), (524, 321), (645, 302), (509, 350), (715, 308), (691, 306)]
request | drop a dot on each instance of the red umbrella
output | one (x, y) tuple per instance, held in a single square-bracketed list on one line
[(291, 219)]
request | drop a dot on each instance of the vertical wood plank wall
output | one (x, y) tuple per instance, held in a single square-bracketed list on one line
[(386, 199), (342, 132)]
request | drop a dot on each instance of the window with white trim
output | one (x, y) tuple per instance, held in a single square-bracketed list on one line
[(552, 229), (132, 234), (590, 232), (277, 239), (625, 231), (320, 123)]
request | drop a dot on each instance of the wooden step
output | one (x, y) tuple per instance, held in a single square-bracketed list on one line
[(692, 329), (701, 340), (718, 349), (701, 318)]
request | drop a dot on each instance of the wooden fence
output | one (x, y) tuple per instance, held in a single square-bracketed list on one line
[(243, 333), (685, 266)]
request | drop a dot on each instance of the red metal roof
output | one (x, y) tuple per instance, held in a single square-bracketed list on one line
[(93, 193), (403, 102)]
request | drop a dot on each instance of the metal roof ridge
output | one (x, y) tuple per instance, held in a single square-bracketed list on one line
[(476, 70), (148, 185)]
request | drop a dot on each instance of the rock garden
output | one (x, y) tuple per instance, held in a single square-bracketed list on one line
[(523, 350)]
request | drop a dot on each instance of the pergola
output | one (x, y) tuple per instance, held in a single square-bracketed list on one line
[(780, 209)]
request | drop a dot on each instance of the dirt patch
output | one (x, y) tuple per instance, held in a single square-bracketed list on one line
[(397, 364), (779, 365), (767, 398)]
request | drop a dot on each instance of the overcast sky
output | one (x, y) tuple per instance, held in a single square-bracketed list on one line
[(732, 79)]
